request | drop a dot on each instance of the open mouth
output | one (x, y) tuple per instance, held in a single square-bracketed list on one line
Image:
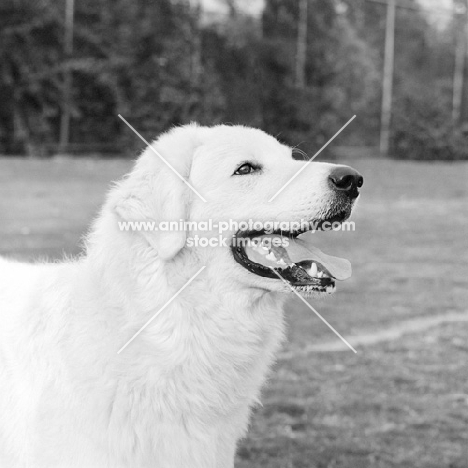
[(291, 256)]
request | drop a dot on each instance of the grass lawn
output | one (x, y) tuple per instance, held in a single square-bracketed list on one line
[(396, 403)]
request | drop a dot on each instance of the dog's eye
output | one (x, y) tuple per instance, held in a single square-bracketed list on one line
[(247, 168)]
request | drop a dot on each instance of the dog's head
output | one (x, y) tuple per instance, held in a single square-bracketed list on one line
[(246, 203)]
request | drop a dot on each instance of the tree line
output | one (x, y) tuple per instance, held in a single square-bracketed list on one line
[(161, 63)]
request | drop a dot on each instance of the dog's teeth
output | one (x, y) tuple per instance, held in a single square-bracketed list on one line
[(258, 247), (319, 274), (261, 250), (330, 289), (271, 256), (313, 269), (281, 262)]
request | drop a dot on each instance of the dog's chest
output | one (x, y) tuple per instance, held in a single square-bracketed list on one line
[(204, 374), (212, 364)]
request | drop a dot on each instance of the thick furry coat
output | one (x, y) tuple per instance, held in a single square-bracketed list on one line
[(180, 394)]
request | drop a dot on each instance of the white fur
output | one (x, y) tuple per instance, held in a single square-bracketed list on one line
[(180, 394)]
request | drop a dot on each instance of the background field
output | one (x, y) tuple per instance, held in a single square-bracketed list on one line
[(402, 400)]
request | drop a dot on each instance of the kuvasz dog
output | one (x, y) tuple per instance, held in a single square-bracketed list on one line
[(75, 392)]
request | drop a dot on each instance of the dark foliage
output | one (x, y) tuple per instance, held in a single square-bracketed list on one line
[(161, 63)]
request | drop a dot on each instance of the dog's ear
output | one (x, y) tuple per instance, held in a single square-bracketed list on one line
[(153, 193)]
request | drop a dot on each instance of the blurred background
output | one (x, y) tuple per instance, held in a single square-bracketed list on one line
[(299, 69), (296, 68)]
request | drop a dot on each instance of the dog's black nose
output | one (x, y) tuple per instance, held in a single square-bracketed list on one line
[(346, 179)]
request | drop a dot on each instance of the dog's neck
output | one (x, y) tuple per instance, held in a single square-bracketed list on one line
[(206, 353)]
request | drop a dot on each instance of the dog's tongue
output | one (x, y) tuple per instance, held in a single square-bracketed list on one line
[(302, 249)]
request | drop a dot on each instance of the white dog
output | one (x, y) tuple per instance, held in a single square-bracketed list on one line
[(179, 395)]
